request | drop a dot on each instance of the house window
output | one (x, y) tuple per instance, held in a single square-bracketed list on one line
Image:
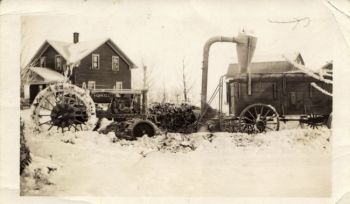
[(115, 63), (43, 61), (91, 84), (119, 85), (95, 61), (58, 62)]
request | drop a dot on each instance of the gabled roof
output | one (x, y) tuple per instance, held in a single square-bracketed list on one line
[(74, 52), (268, 64), (60, 47)]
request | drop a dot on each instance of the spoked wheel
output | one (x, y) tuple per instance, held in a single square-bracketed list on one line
[(259, 118), (65, 107)]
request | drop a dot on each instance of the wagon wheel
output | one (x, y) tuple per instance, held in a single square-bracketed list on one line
[(63, 107), (257, 118)]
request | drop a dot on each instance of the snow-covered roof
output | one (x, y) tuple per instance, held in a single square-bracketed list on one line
[(80, 50), (268, 64), (48, 75), (74, 52), (277, 57), (60, 47)]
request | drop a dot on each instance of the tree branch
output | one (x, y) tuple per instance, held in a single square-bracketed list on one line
[(295, 20), (341, 11)]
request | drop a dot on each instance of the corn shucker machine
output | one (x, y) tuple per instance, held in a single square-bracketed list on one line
[(259, 100)]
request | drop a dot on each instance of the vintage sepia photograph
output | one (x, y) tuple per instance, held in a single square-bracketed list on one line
[(130, 105), (181, 98)]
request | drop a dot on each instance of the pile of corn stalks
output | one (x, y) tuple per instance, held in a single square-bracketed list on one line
[(174, 118)]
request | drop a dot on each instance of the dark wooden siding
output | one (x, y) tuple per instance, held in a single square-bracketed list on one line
[(290, 94), (105, 77), (50, 54)]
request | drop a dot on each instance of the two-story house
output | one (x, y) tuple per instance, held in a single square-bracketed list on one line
[(98, 64)]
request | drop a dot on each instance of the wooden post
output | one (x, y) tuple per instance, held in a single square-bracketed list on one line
[(144, 101), (249, 87), (145, 77)]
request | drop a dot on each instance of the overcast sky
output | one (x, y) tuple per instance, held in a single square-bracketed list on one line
[(162, 33)]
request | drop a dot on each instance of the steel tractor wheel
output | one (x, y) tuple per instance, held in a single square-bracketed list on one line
[(257, 118), (63, 107)]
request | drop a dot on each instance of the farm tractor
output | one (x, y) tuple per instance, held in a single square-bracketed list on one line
[(258, 102)]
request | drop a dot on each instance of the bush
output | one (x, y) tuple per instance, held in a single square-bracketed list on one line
[(25, 158)]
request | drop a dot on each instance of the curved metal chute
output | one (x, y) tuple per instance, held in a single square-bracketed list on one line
[(245, 49)]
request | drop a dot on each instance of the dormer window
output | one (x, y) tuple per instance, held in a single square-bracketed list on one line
[(58, 62), (115, 63), (95, 61), (42, 61)]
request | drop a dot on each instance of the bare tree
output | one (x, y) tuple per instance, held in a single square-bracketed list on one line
[(164, 96), (184, 80), (185, 88), (296, 21)]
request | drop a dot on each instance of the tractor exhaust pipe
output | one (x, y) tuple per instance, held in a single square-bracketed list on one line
[(245, 50)]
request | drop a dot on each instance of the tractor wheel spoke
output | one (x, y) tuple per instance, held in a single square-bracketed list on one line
[(54, 96), (45, 108), (77, 121), (50, 127), (40, 124), (40, 115), (74, 125), (49, 102)]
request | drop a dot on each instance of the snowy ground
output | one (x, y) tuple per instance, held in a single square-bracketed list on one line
[(291, 162)]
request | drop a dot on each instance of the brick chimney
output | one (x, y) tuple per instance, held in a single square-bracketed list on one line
[(75, 37)]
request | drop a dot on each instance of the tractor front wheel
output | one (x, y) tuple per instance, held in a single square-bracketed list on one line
[(143, 127)]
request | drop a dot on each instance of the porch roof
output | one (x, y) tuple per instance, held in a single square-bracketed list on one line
[(48, 75)]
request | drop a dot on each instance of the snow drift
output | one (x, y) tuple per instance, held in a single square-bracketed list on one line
[(291, 162)]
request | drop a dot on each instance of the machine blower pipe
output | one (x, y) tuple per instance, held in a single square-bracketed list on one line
[(245, 49)]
